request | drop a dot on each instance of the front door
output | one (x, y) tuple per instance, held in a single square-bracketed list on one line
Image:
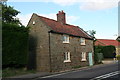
[(90, 59)]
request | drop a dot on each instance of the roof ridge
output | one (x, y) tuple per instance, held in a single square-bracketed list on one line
[(64, 28), (106, 39), (56, 20), (71, 25), (85, 33), (47, 18)]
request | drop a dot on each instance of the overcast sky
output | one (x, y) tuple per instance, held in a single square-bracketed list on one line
[(98, 15)]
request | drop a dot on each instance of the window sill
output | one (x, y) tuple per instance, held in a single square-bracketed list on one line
[(65, 42), (82, 44), (83, 60), (67, 61)]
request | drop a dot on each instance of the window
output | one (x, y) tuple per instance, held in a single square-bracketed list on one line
[(65, 39), (83, 56), (82, 41), (33, 22), (67, 57)]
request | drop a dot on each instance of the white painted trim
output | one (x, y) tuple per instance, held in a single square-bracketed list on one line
[(67, 61), (67, 40), (83, 56), (82, 43), (68, 55)]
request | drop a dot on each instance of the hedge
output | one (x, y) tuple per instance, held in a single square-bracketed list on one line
[(106, 50), (14, 45), (98, 56)]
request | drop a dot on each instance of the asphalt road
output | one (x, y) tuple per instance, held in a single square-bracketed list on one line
[(92, 73)]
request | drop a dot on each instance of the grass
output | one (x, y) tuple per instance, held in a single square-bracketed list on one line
[(76, 67), (9, 72)]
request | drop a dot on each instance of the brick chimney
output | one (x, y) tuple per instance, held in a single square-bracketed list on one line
[(61, 17)]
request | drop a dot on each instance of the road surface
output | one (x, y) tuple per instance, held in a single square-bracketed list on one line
[(102, 72)]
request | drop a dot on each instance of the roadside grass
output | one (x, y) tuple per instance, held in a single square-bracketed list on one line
[(76, 67), (9, 72)]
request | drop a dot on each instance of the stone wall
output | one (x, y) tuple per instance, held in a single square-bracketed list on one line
[(118, 50), (39, 45), (47, 49), (58, 48)]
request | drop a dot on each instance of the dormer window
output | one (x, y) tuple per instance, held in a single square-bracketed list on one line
[(82, 41), (33, 22), (65, 39)]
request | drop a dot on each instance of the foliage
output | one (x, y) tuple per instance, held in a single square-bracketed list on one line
[(76, 67), (9, 72), (9, 14), (118, 57), (92, 32), (108, 51), (98, 56), (15, 45)]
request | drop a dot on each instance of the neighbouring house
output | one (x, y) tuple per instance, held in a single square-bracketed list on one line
[(107, 42), (56, 45)]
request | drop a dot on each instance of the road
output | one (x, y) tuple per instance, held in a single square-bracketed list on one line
[(93, 73)]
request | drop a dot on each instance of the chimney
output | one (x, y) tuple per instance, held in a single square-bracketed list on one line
[(61, 17)]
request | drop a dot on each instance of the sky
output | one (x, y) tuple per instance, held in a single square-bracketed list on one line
[(98, 15)]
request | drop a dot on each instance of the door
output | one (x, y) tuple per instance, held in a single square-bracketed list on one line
[(90, 59)]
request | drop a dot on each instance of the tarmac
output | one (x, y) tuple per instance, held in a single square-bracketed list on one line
[(42, 74)]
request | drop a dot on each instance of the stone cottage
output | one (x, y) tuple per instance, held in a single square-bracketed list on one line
[(56, 45)]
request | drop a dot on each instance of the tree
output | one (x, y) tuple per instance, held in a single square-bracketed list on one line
[(9, 14), (92, 33)]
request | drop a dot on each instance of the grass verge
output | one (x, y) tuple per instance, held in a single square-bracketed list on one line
[(9, 72)]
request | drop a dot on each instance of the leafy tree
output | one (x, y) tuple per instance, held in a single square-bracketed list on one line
[(9, 14), (92, 33)]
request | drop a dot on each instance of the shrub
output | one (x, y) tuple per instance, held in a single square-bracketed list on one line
[(98, 56), (118, 57), (14, 45), (108, 51)]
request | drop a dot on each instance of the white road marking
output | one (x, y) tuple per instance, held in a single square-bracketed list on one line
[(64, 73), (106, 75)]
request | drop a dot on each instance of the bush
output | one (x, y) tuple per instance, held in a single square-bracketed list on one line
[(108, 51), (14, 45), (98, 56), (118, 57)]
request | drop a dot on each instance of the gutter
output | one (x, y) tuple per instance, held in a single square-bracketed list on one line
[(70, 35)]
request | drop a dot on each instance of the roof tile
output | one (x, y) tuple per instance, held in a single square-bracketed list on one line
[(65, 28), (106, 42)]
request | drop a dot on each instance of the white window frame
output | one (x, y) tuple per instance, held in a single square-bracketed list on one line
[(65, 38), (67, 57), (82, 41), (83, 56)]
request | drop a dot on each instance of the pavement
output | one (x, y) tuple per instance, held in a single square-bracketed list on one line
[(108, 61), (41, 74)]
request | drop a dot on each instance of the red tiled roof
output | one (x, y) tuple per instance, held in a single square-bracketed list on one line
[(65, 28), (106, 42)]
